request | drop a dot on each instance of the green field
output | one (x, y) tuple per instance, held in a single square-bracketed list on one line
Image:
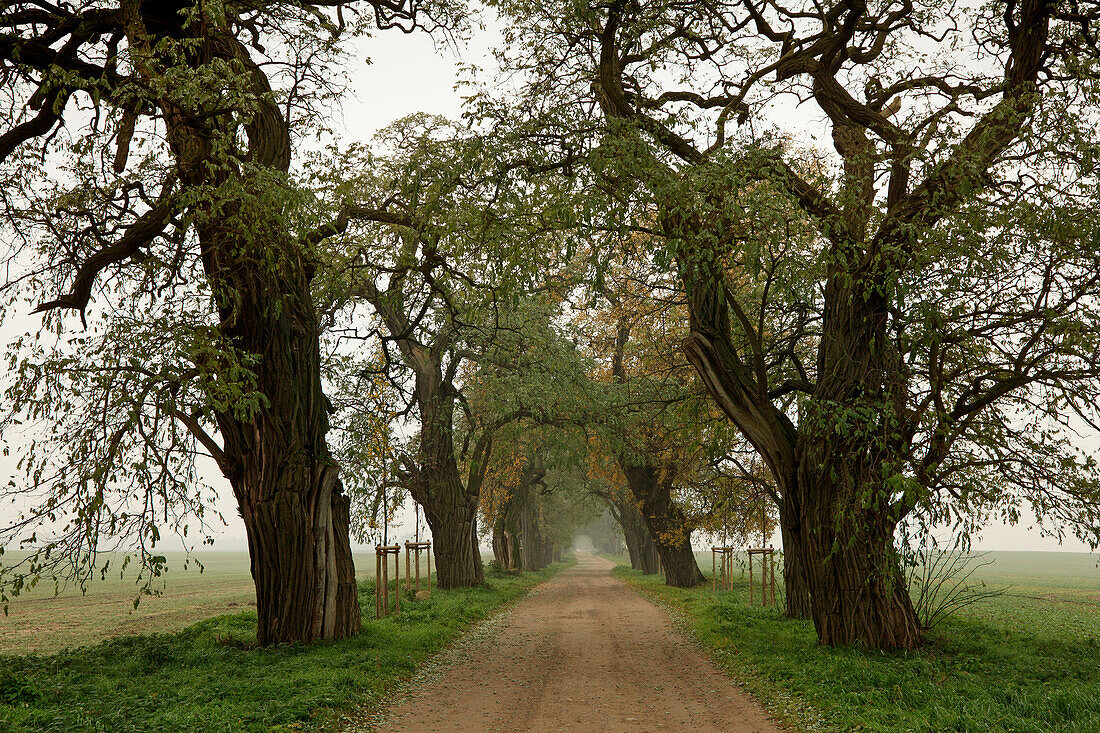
[(1025, 661), (42, 622)]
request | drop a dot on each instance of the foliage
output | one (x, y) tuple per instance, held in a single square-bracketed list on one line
[(109, 422), (430, 253)]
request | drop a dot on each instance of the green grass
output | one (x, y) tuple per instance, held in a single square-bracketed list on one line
[(1028, 661), (208, 677)]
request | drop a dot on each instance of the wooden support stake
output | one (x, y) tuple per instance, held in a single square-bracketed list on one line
[(764, 579), (377, 580), (397, 577), (752, 585), (385, 585), (771, 562)]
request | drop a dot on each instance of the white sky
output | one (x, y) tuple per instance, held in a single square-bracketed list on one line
[(413, 73)]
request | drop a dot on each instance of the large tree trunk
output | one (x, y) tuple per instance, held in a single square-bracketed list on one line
[(450, 504), (536, 548), (303, 593), (796, 582), (286, 485), (285, 482), (513, 550), (849, 442), (639, 543), (274, 451), (666, 524), (454, 537), (500, 546)]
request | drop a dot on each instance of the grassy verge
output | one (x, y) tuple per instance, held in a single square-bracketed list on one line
[(209, 677), (1026, 668)]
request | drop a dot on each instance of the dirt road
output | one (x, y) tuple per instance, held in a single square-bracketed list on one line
[(582, 653)]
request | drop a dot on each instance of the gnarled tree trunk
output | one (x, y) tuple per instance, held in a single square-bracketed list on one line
[(796, 582), (666, 524), (639, 543), (848, 516), (275, 455)]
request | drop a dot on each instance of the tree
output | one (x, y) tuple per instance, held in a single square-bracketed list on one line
[(656, 421), (606, 481), (171, 221), (952, 314), (536, 492), (433, 234)]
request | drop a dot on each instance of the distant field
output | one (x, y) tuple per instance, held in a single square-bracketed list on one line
[(42, 622), (1032, 581)]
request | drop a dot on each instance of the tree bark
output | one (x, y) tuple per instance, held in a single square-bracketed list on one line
[(796, 582), (849, 440), (500, 546), (454, 536), (639, 543), (449, 503), (275, 455), (666, 523)]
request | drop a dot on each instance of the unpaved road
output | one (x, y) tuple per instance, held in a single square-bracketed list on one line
[(581, 653)]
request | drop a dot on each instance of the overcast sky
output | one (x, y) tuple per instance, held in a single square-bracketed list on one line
[(413, 73)]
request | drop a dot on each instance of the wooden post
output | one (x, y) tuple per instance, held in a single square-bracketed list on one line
[(408, 580), (385, 585), (397, 576), (763, 577), (377, 580), (714, 570), (771, 561), (752, 585)]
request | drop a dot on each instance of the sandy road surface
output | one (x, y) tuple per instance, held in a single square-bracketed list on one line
[(582, 653)]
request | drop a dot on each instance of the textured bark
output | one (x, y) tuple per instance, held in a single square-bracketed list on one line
[(505, 547), (858, 593), (275, 457), (535, 550), (796, 582), (666, 524), (847, 516), (449, 503), (639, 543), (453, 522)]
